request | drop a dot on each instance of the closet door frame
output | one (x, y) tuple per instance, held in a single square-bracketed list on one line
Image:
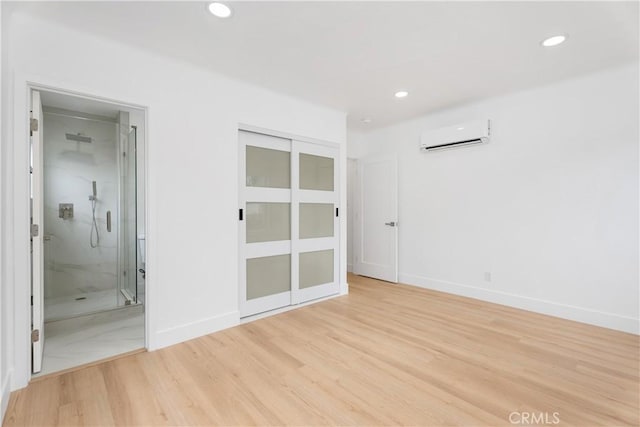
[(294, 195)]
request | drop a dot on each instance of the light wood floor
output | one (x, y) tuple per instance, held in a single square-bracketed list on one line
[(383, 355)]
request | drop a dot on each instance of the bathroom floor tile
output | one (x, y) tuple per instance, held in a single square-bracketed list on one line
[(74, 342)]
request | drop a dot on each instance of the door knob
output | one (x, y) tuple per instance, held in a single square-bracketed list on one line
[(390, 224)]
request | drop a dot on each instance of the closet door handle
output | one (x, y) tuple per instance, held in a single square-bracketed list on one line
[(109, 221)]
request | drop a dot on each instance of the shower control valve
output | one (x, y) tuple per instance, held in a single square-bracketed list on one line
[(65, 210)]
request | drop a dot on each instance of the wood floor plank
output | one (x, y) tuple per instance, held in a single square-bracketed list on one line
[(385, 354)]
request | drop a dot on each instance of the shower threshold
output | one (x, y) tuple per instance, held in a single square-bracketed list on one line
[(129, 299), (77, 305)]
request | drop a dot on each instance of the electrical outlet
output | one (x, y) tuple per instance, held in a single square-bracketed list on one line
[(487, 276)]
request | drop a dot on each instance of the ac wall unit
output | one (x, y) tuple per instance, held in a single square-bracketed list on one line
[(475, 132)]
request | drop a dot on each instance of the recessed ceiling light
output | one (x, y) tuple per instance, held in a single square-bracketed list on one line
[(366, 120), (461, 128), (401, 94), (220, 10), (554, 40)]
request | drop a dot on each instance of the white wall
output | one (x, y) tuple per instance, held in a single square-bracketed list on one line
[(356, 147), (352, 165), (355, 150), (192, 167), (5, 309), (549, 207)]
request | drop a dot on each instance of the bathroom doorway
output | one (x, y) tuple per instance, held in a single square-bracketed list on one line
[(87, 239)]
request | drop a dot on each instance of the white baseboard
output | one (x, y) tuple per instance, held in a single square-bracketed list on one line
[(178, 334), (579, 314), (273, 312), (344, 288), (6, 393)]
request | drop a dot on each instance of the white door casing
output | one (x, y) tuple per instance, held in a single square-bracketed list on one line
[(377, 218)]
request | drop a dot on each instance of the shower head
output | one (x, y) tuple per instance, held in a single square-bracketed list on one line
[(78, 138)]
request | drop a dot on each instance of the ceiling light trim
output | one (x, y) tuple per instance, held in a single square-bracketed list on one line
[(555, 40), (219, 10)]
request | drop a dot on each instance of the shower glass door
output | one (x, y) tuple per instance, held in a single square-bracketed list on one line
[(128, 217), (80, 198)]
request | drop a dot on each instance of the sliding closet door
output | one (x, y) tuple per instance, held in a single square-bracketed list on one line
[(315, 242), (289, 245), (265, 223)]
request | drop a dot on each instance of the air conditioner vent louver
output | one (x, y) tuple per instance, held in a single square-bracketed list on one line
[(476, 132)]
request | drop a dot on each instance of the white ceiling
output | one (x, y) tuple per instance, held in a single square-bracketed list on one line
[(354, 55)]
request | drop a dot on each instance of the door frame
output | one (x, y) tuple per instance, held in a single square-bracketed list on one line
[(18, 249), (358, 219), (295, 298)]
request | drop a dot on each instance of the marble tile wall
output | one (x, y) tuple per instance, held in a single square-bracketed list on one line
[(72, 267)]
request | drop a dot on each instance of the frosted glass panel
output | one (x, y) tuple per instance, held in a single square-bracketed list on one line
[(316, 172), (316, 268), (268, 276), (316, 220), (268, 168), (267, 222)]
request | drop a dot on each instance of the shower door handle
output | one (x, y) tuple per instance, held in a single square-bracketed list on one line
[(109, 221)]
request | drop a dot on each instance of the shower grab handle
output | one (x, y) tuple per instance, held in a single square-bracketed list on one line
[(109, 221)]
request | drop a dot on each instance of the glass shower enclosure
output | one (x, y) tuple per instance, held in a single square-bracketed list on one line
[(127, 251), (90, 213)]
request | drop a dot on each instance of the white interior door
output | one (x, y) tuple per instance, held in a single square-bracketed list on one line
[(377, 254), (37, 221), (315, 231)]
